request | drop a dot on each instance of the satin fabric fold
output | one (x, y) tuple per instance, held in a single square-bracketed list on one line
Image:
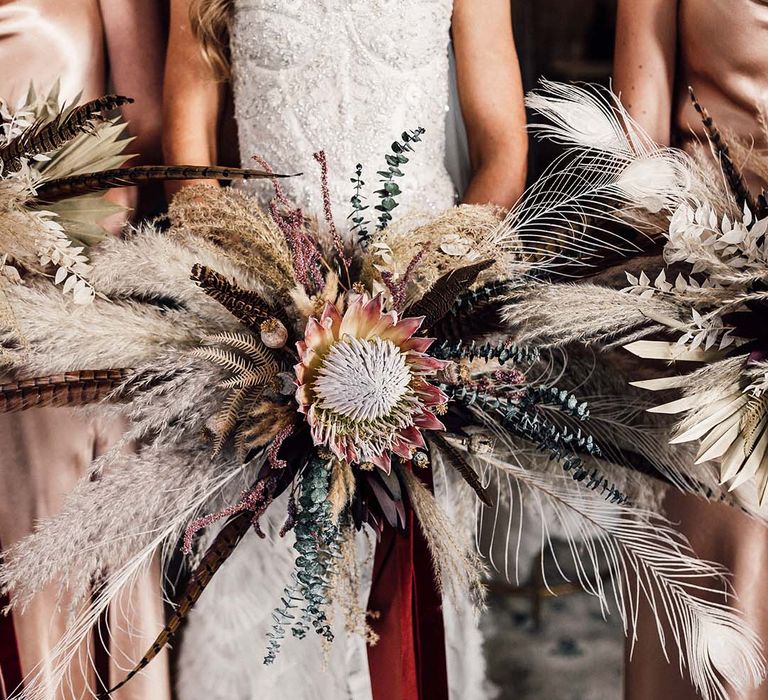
[(409, 661)]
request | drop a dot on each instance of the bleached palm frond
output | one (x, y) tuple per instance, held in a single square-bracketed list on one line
[(726, 422), (649, 563)]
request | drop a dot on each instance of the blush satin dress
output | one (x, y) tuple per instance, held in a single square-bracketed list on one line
[(723, 55), (44, 452)]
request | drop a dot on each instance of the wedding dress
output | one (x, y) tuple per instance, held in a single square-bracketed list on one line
[(348, 77)]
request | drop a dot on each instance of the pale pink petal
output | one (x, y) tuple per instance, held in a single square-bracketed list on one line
[(425, 363), (371, 317), (314, 335), (417, 345), (331, 315), (353, 320), (303, 398), (430, 394), (403, 329)]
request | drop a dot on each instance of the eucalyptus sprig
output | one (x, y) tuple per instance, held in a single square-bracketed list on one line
[(359, 222), (390, 189)]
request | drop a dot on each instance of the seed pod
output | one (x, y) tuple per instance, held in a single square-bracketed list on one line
[(273, 333)]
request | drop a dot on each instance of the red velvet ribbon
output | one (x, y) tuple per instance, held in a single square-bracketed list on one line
[(408, 662), (10, 662)]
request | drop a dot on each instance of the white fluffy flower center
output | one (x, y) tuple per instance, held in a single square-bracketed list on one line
[(363, 379)]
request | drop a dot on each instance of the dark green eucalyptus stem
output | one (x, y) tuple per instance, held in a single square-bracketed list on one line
[(359, 222), (521, 418), (390, 190), (317, 545)]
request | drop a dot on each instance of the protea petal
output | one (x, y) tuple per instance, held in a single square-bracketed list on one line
[(417, 345), (427, 420), (403, 329)]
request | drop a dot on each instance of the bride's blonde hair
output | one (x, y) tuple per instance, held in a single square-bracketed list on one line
[(210, 23)]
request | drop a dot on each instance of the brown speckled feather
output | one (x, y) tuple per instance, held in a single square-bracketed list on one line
[(68, 389), (221, 549)]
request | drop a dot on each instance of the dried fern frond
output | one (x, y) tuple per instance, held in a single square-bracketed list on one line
[(252, 368), (70, 389), (264, 421)]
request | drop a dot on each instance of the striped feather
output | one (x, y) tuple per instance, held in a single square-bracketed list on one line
[(221, 549), (76, 185), (70, 389)]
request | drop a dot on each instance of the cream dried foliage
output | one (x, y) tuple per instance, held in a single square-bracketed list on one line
[(458, 568), (342, 489), (581, 313), (233, 223), (449, 240), (346, 586)]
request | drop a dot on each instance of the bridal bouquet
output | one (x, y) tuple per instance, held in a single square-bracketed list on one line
[(268, 360)]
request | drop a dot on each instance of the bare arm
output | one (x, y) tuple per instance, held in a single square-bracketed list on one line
[(136, 49), (644, 71), (491, 96), (193, 96)]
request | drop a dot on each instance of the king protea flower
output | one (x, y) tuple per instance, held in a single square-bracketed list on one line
[(363, 383)]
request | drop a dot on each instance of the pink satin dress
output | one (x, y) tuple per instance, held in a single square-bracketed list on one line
[(723, 55), (44, 452)]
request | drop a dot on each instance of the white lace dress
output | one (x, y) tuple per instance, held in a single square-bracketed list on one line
[(348, 77)]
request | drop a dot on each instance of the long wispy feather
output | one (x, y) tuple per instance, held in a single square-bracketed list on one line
[(457, 570), (650, 561), (575, 211), (220, 550)]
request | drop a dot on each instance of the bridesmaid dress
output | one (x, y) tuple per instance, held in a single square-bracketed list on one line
[(43, 452), (723, 55)]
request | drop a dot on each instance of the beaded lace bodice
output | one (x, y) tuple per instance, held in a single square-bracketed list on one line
[(348, 77)]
